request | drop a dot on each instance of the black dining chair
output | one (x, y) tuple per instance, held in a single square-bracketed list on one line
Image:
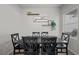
[(44, 34), (63, 44), (16, 43), (48, 45), (30, 45), (36, 34)]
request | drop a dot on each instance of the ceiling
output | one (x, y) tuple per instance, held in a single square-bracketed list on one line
[(39, 5)]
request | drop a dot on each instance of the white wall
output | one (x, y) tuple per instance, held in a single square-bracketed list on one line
[(50, 13), (11, 20), (68, 27)]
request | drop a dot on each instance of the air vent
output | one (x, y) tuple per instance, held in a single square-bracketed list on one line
[(32, 13)]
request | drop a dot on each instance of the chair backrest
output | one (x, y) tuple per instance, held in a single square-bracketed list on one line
[(48, 39), (15, 38), (35, 33), (28, 41), (49, 43), (44, 33), (65, 37), (30, 46)]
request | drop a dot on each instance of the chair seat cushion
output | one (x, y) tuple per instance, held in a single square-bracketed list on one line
[(61, 46), (17, 46)]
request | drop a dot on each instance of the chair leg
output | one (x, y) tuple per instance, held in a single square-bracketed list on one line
[(66, 51), (19, 50), (61, 50), (14, 52), (56, 51)]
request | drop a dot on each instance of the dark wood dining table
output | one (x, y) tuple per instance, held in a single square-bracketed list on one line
[(38, 39)]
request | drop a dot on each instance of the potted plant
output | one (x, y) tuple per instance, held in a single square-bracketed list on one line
[(53, 25)]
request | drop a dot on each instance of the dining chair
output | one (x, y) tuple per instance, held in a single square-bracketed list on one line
[(16, 43), (63, 44), (44, 34), (36, 34), (30, 47), (48, 45)]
